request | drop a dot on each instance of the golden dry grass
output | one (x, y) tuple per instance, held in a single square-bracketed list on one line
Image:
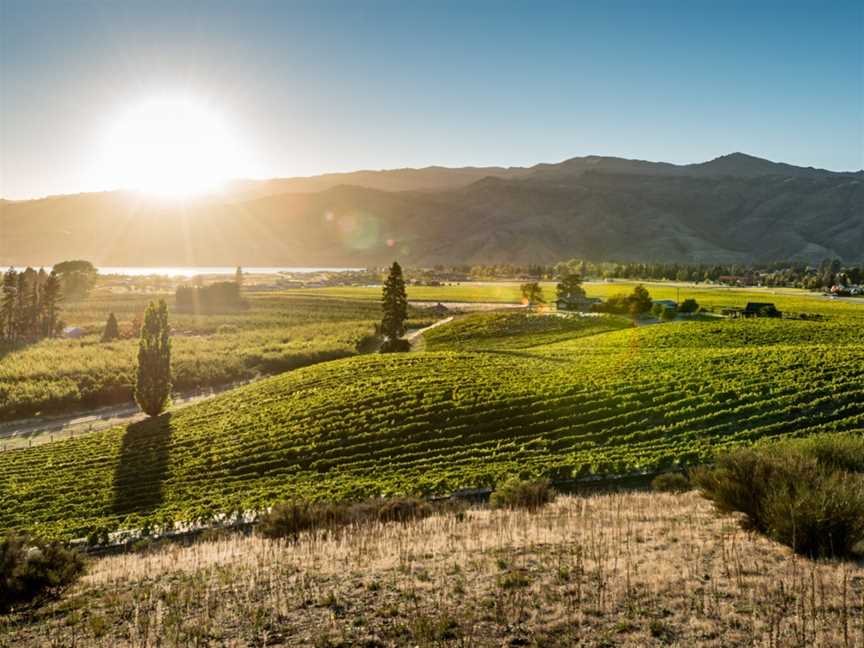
[(632, 569)]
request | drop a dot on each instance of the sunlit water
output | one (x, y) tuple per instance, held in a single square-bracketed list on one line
[(191, 271)]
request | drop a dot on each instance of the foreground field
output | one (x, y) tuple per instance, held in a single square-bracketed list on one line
[(629, 570), (430, 423)]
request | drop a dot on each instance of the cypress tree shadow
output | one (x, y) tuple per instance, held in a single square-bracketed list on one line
[(142, 466)]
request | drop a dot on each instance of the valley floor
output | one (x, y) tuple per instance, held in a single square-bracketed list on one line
[(633, 569)]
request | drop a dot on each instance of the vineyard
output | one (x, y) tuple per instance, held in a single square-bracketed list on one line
[(486, 331), (278, 332), (429, 423)]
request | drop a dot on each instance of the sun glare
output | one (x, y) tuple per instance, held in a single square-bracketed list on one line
[(171, 147)]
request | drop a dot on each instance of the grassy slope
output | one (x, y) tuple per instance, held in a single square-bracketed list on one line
[(633, 570), (433, 422)]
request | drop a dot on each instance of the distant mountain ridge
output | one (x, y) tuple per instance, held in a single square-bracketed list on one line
[(735, 208)]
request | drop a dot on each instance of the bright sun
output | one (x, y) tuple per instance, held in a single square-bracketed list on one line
[(171, 147)]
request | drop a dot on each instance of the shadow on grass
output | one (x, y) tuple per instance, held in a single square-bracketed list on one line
[(142, 466)]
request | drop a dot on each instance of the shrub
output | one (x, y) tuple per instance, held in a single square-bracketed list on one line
[(290, 519), (689, 306), (397, 345), (668, 314), (670, 483), (368, 343), (807, 494), (515, 493), (402, 510), (32, 571)]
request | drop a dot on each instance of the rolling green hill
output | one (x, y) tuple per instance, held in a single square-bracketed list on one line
[(424, 423)]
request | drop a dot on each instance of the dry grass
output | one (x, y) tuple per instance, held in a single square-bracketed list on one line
[(612, 570)]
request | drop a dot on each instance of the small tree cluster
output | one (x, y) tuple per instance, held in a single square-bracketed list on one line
[(77, 278), (153, 383), (29, 305), (570, 288), (532, 294), (635, 304)]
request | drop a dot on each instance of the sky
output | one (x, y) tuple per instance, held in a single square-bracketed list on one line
[(312, 87)]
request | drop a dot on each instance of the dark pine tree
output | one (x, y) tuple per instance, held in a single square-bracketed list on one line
[(153, 383), (112, 329), (394, 303)]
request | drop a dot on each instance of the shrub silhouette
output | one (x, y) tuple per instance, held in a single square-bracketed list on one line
[(807, 494), (33, 571), (670, 483)]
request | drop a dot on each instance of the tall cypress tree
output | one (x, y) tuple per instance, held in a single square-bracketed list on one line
[(112, 329), (395, 305), (153, 384)]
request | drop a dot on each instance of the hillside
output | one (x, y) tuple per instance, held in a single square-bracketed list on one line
[(430, 423), (734, 208)]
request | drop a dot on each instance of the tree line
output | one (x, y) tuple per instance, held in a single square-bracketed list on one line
[(798, 274), (30, 305)]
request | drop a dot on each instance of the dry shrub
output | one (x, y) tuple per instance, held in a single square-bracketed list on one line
[(403, 509), (33, 571), (670, 483), (515, 493), (290, 519), (806, 493)]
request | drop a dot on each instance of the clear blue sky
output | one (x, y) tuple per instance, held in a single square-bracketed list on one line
[(329, 86)]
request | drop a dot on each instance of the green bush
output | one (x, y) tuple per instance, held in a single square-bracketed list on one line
[(670, 483), (689, 306), (32, 571), (515, 493), (807, 494)]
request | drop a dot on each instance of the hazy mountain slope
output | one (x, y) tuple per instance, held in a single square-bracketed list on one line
[(427, 179), (735, 208)]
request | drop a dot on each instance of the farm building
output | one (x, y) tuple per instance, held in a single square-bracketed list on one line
[(578, 304), (753, 309)]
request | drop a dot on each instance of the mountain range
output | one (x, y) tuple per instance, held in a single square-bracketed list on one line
[(735, 208)]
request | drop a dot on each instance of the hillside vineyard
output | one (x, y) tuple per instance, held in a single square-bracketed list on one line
[(430, 423)]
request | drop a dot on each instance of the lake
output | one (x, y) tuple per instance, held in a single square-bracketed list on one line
[(191, 271)]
